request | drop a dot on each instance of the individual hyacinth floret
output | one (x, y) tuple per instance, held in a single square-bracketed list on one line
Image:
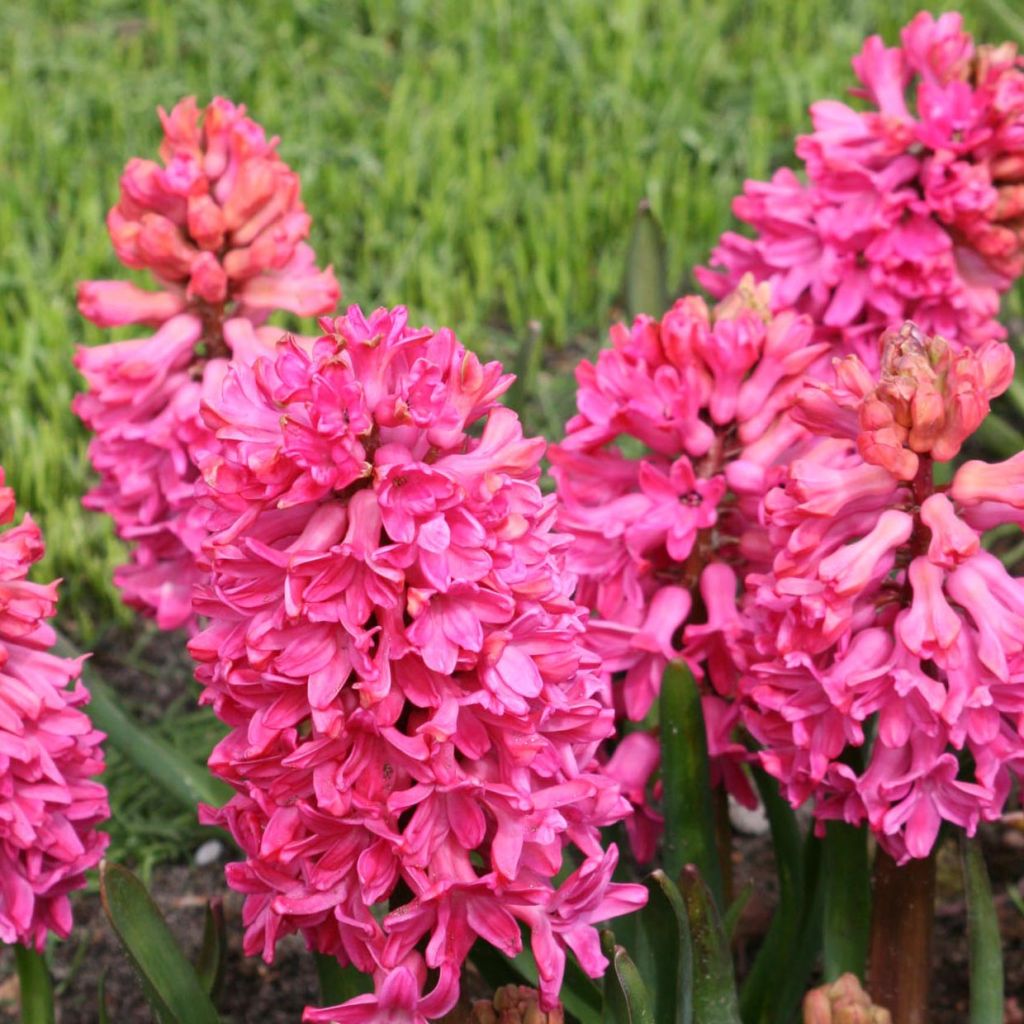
[(912, 208), (220, 227), (892, 685), (49, 752), (659, 478), (393, 642)]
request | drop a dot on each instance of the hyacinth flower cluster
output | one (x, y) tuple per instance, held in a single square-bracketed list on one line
[(912, 208), (50, 804), (220, 227), (659, 478), (392, 640), (891, 682)]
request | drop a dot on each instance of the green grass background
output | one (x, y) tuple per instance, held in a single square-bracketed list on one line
[(480, 162)]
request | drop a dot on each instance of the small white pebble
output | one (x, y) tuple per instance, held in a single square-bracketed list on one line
[(748, 822), (209, 853)]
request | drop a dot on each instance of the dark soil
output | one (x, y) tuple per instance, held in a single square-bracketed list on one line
[(258, 993)]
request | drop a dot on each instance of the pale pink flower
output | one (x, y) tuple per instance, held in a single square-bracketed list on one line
[(220, 226), (699, 401), (909, 209), (392, 640), (49, 752), (891, 682)]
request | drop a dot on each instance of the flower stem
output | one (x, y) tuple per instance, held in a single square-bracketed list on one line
[(35, 987), (903, 910)]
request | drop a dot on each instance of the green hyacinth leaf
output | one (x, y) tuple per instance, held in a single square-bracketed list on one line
[(664, 955), (714, 981), (173, 987), (686, 780), (626, 997)]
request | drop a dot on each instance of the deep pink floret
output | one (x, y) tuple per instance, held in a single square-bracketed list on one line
[(681, 423), (50, 804), (912, 208), (220, 227), (891, 682), (393, 642)]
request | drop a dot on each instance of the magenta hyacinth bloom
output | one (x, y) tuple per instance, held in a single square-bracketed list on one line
[(220, 226), (891, 685), (909, 209), (393, 642), (49, 752), (659, 479)]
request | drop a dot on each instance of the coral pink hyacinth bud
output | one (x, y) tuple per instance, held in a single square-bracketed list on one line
[(910, 205), (50, 804), (842, 1001), (514, 1004), (393, 643), (220, 226), (700, 397), (883, 606), (928, 400)]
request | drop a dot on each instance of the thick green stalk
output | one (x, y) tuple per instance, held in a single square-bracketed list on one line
[(690, 833), (35, 987), (984, 940), (847, 882)]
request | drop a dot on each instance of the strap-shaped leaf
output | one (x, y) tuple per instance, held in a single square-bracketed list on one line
[(714, 982), (102, 1016), (171, 983), (664, 955), (212, 958), (34, 985), (686, 778), (733, 913), (806, 950), (761, 989), (579, 994), (181, 778), (846, 877), (626, 998), (646, 275), (984, 941), (339, 983)]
